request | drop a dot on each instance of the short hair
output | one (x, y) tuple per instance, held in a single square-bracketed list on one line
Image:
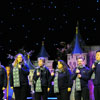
[(97, 51), (42, 58)]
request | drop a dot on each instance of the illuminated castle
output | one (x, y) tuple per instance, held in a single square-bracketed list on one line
[(77, 51), (88, 55)]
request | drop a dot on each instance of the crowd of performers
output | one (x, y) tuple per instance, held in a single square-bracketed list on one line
[(62, 77)]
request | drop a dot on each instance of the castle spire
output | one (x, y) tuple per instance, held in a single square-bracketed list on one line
[(43, 52), (77, 49)]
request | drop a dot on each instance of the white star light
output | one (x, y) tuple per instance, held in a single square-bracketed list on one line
[(12, 15), (2, 22), (14, 8), (23, 25), (10, 28), (10, 41), (54, 6), (37, 43)]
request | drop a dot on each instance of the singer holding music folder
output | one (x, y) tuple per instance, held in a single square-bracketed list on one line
[(62, 81), (95, 75), (81, 77), (19, 77), (42, 79)]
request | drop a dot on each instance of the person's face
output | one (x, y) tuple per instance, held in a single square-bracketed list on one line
[(60, 66), (40, 63), (80, 62), (19, 58), (98, 56)]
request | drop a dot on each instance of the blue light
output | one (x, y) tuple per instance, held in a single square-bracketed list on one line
[(52, 98), (54, 6), (29, 97), (97, 0)]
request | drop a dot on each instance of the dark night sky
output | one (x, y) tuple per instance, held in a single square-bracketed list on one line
[(25, 23)]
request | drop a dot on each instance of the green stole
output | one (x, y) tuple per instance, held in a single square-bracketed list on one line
[(16, 79), (93, 74), (38, 87), (78, 82), (56, 88)]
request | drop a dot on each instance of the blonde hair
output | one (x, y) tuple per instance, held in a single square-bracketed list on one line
[(16, 61)]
